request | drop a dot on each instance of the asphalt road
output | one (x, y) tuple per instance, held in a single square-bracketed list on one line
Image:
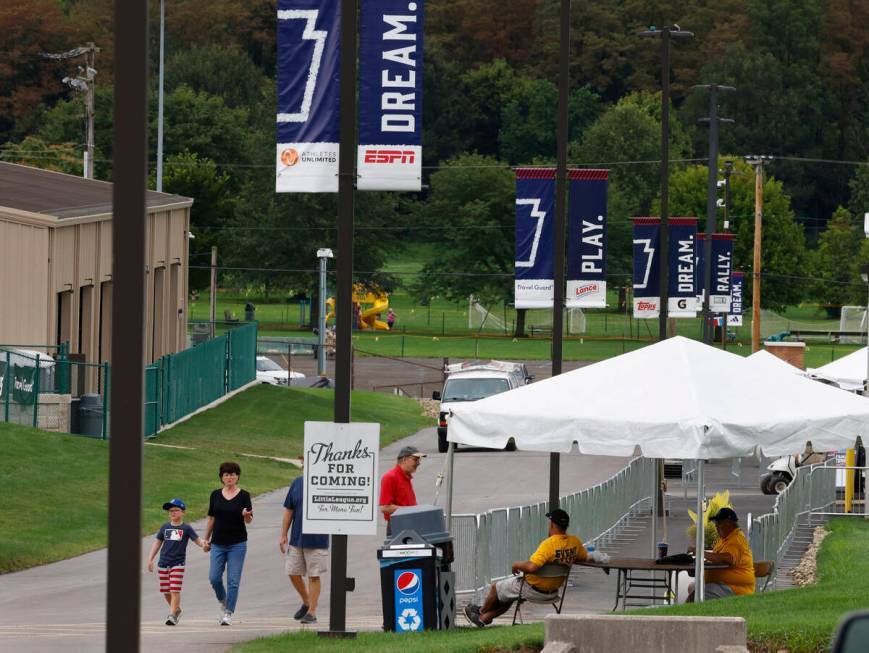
[(61, 606)]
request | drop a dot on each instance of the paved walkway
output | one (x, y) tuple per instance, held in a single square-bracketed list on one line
[(61, 606)]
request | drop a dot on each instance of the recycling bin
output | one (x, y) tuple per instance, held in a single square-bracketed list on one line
[(90, 415), (408, 584)]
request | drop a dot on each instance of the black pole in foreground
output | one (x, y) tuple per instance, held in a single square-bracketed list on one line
[(339, 583), (129, 234), (560, 221)]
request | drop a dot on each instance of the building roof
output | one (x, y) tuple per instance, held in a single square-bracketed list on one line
[(62, 195)]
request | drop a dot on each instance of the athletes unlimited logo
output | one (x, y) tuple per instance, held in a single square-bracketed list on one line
[(290, 157), (407, 583)]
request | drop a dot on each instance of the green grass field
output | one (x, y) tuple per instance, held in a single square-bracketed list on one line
[(796, 621), (56, 485)]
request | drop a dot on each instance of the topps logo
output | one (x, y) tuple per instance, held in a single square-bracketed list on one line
[(646, 306), (584, 290), (389, 156)]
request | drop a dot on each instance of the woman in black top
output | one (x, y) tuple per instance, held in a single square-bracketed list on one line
[(229, 510)]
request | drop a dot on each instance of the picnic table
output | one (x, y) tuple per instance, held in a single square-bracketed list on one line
[(653, 581)]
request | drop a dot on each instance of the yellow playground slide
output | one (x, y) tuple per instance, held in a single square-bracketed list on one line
[(371, 305)]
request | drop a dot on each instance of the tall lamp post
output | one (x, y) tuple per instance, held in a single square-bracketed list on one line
[(160, 101), (864, 273), (666, 34), (324, 254)]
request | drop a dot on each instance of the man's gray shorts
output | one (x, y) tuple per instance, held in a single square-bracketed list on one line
[(716, 591), (508, 591)]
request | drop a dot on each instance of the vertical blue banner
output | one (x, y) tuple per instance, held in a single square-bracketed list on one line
[(309, 63), (737, 279), (681, 277), (722, 266), (587, 239), (647, 294), (535, 200), (389, 156), (407, 588)]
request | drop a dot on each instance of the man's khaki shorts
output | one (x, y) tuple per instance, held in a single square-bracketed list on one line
[(306, 562), (508, 591)]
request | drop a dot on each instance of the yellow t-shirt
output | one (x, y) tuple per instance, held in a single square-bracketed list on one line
[(564, 549), (740, 575)]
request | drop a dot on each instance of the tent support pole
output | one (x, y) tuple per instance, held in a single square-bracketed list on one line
[(700, 540), (450, 464), (654, 500)]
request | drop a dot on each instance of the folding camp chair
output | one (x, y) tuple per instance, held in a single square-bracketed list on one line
[(763, 574), (550, 570)]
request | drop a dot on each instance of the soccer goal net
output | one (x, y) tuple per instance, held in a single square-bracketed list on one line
[(503, 320), (853, 318)]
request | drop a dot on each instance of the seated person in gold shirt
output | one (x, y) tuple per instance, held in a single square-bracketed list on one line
[(558, 547), (732, 550)]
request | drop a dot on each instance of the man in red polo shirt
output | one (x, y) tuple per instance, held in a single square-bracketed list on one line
[(396, 488)]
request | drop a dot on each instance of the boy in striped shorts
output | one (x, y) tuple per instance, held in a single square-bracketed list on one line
[(171, 543)]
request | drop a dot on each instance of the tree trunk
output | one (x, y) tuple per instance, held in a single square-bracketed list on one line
[(520, 323)]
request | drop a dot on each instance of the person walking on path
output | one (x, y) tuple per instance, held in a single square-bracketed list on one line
[(229, 511), (731, 549), (396, 488), (171, 543), (307, 555), (559, 547), (390, 318)]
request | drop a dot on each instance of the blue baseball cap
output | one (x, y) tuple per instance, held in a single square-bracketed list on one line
[(175, 503)]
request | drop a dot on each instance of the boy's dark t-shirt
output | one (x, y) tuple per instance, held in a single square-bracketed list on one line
[(173, 553), (229, 525)]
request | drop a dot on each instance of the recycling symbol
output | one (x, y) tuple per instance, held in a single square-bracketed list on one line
[(409, 620)]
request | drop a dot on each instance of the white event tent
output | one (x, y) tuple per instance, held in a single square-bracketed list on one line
[(849, 372), (677, 398)]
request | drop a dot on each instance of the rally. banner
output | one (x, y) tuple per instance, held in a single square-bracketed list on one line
[(309, 59), (390, 95), (646, 278), (681, 278), (722, 266), (535, 197), (587, 239), (734, 318), (341, 473)]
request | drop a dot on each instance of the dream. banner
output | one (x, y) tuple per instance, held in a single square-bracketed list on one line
[(587, 239), (309, 63), (737, 279), (390, 95), (535, 198), (681, 278), (647, 281)]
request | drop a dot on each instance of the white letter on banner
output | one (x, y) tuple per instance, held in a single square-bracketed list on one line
[(319, 38), (404, 56), (398, 81), (397, 123), (399, 29)]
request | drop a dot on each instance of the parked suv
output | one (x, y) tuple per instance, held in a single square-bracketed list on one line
[(474, 380), (267, 371)]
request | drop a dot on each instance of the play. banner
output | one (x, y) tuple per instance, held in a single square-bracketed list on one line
[(309, 59), (646, 277), (737, 280), (587, 239), (681, 278), (535, 198), (389, 155)]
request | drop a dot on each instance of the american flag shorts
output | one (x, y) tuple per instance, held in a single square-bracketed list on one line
[(171, 578)]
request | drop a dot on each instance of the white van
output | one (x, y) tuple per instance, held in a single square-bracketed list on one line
[(474, 380)]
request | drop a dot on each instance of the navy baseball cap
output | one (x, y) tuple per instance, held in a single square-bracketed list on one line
[(175, 503), (560, 518), (725, 514)]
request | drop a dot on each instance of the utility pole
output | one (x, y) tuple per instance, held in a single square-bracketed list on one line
[(728, 170), (664, 235), (159, 185), (711, 202), (757, 162)]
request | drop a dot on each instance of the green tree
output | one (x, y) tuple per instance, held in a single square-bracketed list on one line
[(785, 260), (32, 151), (836, 264)]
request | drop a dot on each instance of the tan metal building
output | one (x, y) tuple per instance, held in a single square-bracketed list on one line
[(56, 264)]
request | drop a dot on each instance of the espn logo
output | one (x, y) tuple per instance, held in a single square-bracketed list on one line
[(389, 156)]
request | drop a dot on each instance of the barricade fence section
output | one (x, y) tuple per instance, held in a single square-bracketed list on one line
[(487, 544), (812, 491)]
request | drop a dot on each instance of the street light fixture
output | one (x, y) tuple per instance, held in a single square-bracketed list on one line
[(324, 254)]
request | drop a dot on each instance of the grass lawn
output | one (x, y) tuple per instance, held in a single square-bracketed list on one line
[(61, 481), (796, 621)]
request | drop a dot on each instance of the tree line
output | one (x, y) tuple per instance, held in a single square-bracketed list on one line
[(799, 67)]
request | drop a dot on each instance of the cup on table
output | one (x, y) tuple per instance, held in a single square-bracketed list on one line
[(662, 550)]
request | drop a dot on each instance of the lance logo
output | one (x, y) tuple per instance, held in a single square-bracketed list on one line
[(586, 289), (290, 157), (407, 583)]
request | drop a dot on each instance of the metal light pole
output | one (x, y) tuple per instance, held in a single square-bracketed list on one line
[(711, 202), (758, 163), (160, 102), (663, 239), (864, 272), (324, 254)]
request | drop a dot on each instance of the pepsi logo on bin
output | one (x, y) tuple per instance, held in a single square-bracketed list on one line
[(407, 583)]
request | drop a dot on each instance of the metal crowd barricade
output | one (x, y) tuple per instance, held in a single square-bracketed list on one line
[(486, 544)]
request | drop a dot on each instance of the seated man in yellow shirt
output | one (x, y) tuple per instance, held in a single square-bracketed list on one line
[(732, 550), (558, 547)]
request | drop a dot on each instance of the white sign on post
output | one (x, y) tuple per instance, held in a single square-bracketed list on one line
[(341, 478)]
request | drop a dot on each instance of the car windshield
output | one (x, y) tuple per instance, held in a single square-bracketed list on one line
[(267, 365), (472, 389)]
